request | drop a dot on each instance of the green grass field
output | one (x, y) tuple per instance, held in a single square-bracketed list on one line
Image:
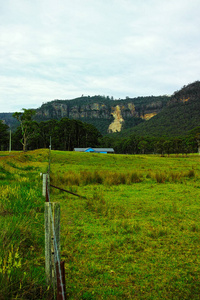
[(136, 236), (22, 226)]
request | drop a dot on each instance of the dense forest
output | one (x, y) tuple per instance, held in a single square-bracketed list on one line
[(4, 136), (67, 134), (135, 144)]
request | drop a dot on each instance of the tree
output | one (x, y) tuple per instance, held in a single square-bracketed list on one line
[(3, 135), (177, 145), (198, 141), (16, 139), (63, 134), (46, 130), (91, 135), (159, 146), (26, 123), (168, 147), (142, 146)]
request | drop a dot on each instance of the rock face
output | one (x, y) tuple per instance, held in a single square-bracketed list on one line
[(106, 114), (116, 125), (149, 116)]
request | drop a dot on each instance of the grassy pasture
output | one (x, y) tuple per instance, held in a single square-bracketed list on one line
[(136, 236)]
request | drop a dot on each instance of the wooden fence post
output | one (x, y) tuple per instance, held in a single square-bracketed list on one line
[(52, 241), (44, 182), (48, 264)]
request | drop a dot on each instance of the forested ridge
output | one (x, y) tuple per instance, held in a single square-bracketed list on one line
[(139, 102), (65, 134), (181, 115), (96, 110)]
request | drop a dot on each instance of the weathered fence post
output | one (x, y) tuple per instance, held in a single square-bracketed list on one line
[(44, 177), (48, 263), (47, 189), (52, 241)]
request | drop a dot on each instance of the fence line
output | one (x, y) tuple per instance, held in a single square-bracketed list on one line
[(57, 260), (52, 239), (64, 190)]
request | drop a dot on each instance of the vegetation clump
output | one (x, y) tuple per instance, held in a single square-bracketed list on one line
[(95, 177)]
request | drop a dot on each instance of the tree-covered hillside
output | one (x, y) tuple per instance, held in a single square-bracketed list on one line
[(181, 115), (8, 119), (98, 110), (140, 103)]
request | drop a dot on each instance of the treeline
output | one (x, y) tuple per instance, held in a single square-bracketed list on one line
[(158, 145), (4, 136), (65, 134), (68, 134), (140, 103)]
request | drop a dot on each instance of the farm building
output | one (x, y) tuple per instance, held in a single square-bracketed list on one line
[(95, 150)]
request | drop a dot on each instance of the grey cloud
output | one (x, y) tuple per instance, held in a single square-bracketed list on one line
[(60, 50)]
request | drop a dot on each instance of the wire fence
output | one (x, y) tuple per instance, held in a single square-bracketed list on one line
[(22, 274), (21, 257), (22, 271), (52, 250)]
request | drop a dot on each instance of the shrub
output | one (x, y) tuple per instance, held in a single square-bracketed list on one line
[(190, 174), (134, 177), (160, 177)]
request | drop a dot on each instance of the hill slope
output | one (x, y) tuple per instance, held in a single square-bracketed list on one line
[(180, 115)]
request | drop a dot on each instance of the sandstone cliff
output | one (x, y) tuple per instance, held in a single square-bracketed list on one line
[(106, 114)]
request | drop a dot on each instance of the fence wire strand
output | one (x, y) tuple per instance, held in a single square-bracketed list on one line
[(53, 230)]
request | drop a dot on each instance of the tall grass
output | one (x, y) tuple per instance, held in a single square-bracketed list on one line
[(95, 177), (162, 177), (21, 224), (110, 178)]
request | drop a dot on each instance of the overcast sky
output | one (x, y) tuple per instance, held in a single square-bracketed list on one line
[(61, 49)]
